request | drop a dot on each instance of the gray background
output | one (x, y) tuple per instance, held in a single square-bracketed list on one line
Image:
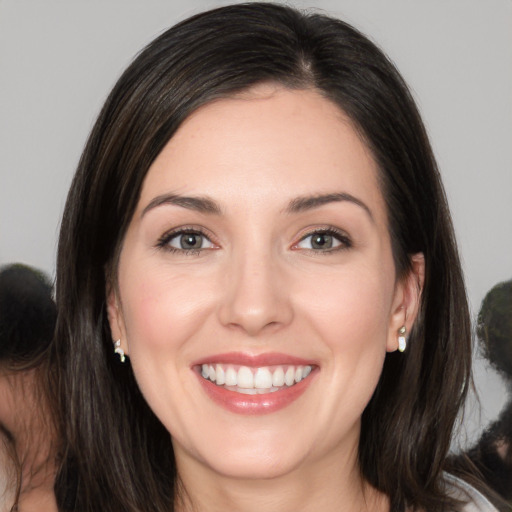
[(59, 59)]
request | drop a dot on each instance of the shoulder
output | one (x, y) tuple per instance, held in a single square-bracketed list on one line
[(475, 501)]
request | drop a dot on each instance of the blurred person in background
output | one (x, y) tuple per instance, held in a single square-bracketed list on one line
[(27, 321), (492, 454)]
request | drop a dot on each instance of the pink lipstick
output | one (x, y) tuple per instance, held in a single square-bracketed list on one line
[(254, 384)]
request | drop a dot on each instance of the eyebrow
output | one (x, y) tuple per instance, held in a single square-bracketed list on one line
[(204, 204), (306, 203), (199, 204)]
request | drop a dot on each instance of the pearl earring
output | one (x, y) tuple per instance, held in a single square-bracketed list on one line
[(119, 351), (402, 342)]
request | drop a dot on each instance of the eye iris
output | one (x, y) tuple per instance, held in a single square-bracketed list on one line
[(190, 241), (321, 241)]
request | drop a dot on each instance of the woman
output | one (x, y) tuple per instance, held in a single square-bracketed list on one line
[(27, 448), (261, 302)]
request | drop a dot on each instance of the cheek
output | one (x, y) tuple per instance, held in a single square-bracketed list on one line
[(161, 314), (160, 309), (347, 316), (348, 306)]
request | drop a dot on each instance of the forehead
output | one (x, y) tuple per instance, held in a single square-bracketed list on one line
[(265, 146)]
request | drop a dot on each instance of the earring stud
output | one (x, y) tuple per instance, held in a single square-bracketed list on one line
[(402, 342), (119, 351)]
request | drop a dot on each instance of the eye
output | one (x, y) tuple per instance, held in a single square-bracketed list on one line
[(187, 241), (324, 240)]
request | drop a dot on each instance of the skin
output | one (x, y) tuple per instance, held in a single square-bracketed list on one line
[(259, 286), (22, 417)]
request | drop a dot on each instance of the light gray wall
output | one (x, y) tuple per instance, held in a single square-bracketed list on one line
[(59, 59)]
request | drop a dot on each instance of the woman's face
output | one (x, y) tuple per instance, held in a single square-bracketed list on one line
[(256, 291)]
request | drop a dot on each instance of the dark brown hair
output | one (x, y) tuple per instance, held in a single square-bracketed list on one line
[(27, 316), (113, 437)]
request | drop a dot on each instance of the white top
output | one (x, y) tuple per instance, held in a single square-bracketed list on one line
[(476, 501)]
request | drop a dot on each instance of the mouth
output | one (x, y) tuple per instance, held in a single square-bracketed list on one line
[(254, 381), (254, 384)]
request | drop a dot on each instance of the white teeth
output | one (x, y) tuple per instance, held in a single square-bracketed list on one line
[(289, 376), (248, 391), (263, 378), (278, 377), (254, 381), (221, 376), (245, 378), (231, 377)]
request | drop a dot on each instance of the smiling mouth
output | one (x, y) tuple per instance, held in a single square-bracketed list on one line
[(255, 381)]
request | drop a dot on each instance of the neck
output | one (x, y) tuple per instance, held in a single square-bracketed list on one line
[(37, 473), (38, 498), (28, 447), (332, 484), (35, 450)]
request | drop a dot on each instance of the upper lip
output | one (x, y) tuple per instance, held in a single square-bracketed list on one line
[(259, 360)]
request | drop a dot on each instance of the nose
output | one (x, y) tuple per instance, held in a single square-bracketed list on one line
[(256, 297)]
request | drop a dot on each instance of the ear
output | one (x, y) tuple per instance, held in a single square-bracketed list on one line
[(406, 301), (115, 318)]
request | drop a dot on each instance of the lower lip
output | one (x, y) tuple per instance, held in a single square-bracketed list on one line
[(255, 404)]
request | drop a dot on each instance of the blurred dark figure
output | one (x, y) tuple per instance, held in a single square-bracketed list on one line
[(492, 455), (27, 454)]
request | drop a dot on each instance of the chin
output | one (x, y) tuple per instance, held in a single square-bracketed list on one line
[(249, 455), (255, 468)]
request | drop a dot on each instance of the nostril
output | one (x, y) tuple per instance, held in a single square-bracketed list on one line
[(253, 326)]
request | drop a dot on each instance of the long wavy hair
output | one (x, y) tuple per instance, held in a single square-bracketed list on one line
[(118, 456)]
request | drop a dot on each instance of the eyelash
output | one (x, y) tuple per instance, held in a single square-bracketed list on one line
[(340, 236), (164, 240)]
